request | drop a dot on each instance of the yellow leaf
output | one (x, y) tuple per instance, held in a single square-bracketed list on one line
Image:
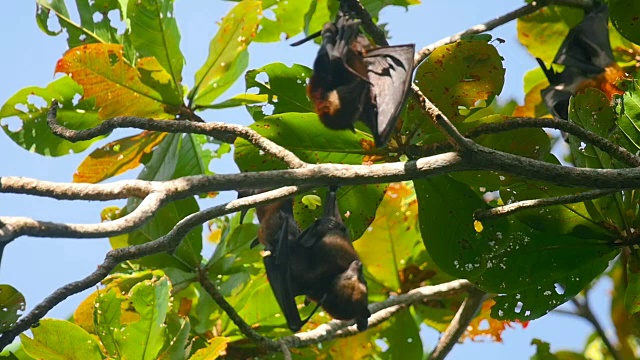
[(117, 157), (118, 87), (216, 348)]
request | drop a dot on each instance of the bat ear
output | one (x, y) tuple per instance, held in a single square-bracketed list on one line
[(362, 323)]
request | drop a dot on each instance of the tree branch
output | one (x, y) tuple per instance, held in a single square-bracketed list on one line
[(492, 24), (261, 341), (584, 135), (584, 311), (221, 131), (167, 243), (380, 311), (538, 203), (459, 323)]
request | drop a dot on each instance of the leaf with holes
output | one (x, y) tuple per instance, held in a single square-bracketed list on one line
[(286, 17), (31, 106), (119, 88), (446, 209), (539, 271), (227, 52), (285, 88), (461, 76), (117, 157), (88, 30), (12, 304)]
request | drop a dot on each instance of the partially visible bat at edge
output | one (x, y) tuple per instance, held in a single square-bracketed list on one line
[(588, 60)]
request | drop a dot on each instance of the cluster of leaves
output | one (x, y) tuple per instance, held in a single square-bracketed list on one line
[(408, 234)]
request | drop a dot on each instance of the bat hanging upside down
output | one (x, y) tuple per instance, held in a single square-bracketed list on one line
[(354, 81), (588, 60), (319, 262)]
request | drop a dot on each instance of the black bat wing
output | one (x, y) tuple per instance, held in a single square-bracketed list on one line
[(389, 70), (587, 45), (278, 273), (562, 85)]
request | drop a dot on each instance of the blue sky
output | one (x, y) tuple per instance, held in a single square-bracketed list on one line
[(37, 266)]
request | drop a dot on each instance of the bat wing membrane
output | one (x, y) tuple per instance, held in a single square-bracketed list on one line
[(389, 70), (278, 273), (587, 45)]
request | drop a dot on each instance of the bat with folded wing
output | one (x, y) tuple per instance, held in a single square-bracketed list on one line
[(319, 262), (354, 81), (588, 60)]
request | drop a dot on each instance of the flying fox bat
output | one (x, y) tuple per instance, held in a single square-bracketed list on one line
[(352, 80), (319, 263), (588, 60)]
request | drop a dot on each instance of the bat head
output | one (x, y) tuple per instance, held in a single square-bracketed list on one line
[(347, 298)]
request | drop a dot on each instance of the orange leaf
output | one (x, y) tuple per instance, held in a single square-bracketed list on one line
[(117, 157), (484, 326), (118, 87)]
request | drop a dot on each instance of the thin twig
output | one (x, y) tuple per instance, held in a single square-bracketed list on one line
[(459, 323), (167, 243), (492, 24), (261, 341), (515, 207), (442, 122), (584, 311), (221, 131)]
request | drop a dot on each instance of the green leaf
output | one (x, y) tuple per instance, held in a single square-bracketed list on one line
[(540, 271), (106, 319), (214, 349), (629, 123), (462, 75), (154, 32), (88, 30), (178, 338), (287, 20), (31, 105), (60, 340), (448, 231), (189, 250), (632, 294), (12, 304), (624, 16), (143, 339), (227, 52), (238, 100), (403, 337), (543, 31), (195, 156), (285, 88)]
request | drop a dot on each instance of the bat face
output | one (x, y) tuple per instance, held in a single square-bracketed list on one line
[(319, 263), (352, 81), (588, 60)]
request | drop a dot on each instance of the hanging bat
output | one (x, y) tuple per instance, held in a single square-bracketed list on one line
[(588, 60), (353, 81), (319, 263)]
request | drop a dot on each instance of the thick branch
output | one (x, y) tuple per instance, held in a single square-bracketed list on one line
[(19, 226), (538, 203), (492, 24), (459, 323), (221, 131), (165, 243)]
